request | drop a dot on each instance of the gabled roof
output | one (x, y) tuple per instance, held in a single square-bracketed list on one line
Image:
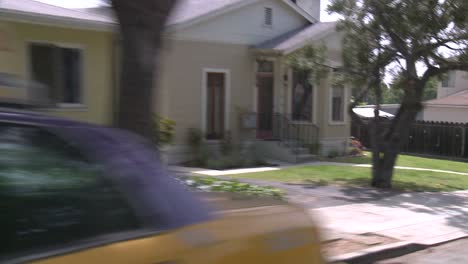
[(455, 100), (297, 39), (37, 12), (185, 13)]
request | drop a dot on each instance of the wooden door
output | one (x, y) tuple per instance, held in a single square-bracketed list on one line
[(265, 106)]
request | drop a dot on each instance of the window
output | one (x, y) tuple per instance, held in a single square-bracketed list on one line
[(215, 109), (50, 196), (264, 66), (302, 96), (337, 103), (449, 79), (59, 69), (268, 16)]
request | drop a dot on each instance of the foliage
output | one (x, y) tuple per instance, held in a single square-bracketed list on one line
[(226, 144), (234, 186), (163, 130), (199, 152), (229, 155), (333, 153), (355, 147), (395, 37)]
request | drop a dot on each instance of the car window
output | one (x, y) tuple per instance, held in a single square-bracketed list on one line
[(51, 196)]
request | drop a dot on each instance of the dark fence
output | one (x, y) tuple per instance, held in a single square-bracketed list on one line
[(430, 138)]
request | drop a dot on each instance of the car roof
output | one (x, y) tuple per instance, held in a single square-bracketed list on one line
[(130, 162)]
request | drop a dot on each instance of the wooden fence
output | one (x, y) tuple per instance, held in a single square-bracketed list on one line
[(430, 138)]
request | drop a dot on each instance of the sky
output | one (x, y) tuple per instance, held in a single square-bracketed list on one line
[(92, 3)]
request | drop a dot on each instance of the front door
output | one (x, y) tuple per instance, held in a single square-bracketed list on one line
[(265, 106)]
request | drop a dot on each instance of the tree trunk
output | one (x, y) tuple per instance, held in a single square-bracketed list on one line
[(386, 142), (141, 24)]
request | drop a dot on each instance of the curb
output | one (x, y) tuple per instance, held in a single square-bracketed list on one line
[(373, 254), (393, 250)]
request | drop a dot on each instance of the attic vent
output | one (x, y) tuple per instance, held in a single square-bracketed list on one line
[(268, 16)]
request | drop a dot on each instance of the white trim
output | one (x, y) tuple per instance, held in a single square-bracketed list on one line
[(56, 21), (301, 11), (209, 15), (227, 96), (229, 8), (28, 69), (330, 111)]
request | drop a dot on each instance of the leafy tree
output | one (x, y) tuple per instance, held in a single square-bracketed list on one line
[(395, 37), (141, 24)]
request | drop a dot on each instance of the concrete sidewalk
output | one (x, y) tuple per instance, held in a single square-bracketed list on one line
[(422, 219)]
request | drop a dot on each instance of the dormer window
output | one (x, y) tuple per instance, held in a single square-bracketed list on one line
[(268, 16)]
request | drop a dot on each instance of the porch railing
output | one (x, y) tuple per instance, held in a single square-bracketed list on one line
[(288, 131)]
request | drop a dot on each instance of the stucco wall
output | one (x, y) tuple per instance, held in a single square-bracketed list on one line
[(246, 25), (96, 46), (461, 83), (446, 114), (179, 94)]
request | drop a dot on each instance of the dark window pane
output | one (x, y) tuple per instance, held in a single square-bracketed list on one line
[(265, 66), (215, 105), (72, 81), (302, 96), (337, 103), (59, 69), (50, 196)]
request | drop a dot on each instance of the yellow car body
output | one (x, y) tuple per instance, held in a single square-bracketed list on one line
[(73, 193), (276, 234)]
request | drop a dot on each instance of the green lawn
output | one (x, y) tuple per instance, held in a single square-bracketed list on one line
[(411, 161), (405, 180)]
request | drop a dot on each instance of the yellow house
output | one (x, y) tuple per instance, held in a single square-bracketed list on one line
[(69, 51), (223, 67)]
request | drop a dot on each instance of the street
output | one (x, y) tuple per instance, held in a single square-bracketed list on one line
[(450, 253)]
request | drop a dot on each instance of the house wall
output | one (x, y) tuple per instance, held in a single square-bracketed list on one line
[(180, 82), (461, 83), (446, 114), (97, 85), (245, 25), (310, 6)]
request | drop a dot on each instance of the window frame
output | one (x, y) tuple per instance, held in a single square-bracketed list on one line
[(330, 108), (82, 75), (204, 98)]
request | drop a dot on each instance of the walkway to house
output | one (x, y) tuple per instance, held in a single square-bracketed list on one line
[(287, 165)]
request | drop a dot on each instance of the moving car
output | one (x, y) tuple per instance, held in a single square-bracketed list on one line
[(73, 192)]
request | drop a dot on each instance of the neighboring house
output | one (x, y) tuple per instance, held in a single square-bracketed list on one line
[(222, 68), (451, 104)]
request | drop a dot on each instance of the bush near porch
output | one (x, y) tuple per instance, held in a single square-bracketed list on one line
[(227, 156)]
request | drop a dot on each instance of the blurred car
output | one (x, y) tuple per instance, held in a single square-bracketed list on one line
[(72, 192)]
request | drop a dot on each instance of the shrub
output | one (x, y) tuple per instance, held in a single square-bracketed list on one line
[(226, 146), (333, 153), (163, 130), (199, 152)]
